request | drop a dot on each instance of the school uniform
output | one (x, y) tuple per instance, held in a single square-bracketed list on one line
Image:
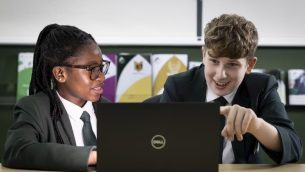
[(258, 92), (31, 141)]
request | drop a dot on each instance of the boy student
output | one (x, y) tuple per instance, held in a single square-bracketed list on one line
[(254, 114), (55, 127)]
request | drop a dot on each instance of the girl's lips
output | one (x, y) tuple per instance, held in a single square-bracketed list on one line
[(99, 88)]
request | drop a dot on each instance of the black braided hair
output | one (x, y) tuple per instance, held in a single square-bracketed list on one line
[(55, 45)]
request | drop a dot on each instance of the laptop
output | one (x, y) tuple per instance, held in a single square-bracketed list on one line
[(158, 137)]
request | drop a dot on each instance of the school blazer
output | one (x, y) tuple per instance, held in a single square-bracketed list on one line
[(31, 141), (258, 92)]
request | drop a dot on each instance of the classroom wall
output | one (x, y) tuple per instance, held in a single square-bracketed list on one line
[(170, 22), (268, 58)]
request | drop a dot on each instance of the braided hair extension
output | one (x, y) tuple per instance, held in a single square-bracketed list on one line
[(55, 45)]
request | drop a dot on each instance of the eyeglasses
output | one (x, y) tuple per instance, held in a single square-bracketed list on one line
[(95, 70)]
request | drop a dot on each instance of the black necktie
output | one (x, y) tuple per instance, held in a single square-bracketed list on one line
[(88, 135), (222, 101)]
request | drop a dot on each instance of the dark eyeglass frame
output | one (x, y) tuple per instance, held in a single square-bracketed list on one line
[(94, 70)]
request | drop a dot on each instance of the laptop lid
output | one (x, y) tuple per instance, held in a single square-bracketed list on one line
[(159, 137)]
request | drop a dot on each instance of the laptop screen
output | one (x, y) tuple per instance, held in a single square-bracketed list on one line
[(158, 137)]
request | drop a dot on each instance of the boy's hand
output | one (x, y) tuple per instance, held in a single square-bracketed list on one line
[(239, 121)]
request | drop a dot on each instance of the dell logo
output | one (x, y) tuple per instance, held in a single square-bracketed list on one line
[(158, 142)]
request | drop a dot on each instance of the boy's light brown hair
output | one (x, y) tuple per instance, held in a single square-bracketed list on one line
[(230, 36)]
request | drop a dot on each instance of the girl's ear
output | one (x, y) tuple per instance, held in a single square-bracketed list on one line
[(251, 64), (59, 74)]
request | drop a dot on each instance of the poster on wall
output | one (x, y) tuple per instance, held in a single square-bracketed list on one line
[(25, 64), (109, 88), (164, 65), (133, 77), (296, 81)]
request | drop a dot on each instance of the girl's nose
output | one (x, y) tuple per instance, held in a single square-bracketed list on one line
[(101, 76)]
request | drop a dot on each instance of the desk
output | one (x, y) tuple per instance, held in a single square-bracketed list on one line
[(261, 168), (226, 168)]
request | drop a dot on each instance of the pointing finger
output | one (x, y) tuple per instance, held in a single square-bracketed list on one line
[(224, 110)]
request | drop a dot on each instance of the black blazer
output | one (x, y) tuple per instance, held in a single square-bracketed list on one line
[(258, 92), (31, 141)]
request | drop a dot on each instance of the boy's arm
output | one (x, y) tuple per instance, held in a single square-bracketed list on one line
[(242, 120), (270, 124)]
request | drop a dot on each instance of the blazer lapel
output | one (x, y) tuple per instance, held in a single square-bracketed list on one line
[(65, 129)]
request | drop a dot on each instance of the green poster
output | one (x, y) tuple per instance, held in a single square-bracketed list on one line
[(25, 64)]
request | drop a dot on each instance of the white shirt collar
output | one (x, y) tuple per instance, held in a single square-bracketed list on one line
[(73, 110), (210, 95)]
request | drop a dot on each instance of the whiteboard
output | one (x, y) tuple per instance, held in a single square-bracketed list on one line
[(159, 22), (279, 22), (149, 22)]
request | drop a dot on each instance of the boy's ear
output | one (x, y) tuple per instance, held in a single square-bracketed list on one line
[(59, 74), (251, 64), (203, 51)]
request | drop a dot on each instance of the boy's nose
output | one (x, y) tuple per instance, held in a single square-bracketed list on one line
[(221, 73)]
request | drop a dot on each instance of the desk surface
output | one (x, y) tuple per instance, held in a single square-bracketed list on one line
[(261, 168), (227, 168)]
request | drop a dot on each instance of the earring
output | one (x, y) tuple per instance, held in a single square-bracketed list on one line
[(60, 77)]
